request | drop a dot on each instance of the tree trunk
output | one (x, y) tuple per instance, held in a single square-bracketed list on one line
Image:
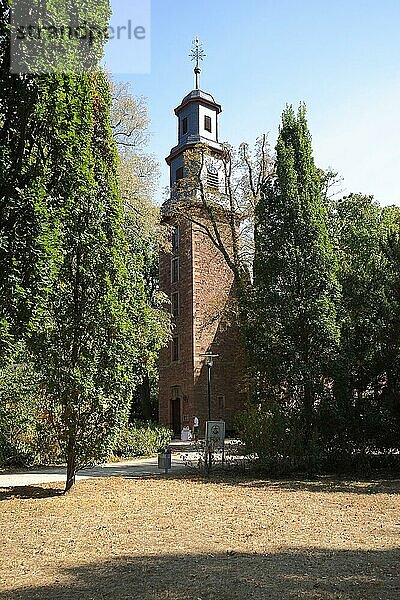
[(308, 415), (145, 398), (393, 395), (71, 466)]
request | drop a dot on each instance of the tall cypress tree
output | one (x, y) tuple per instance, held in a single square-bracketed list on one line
[(293, 322), (18, 169), (25, 139), (74, 291), (92, 330)]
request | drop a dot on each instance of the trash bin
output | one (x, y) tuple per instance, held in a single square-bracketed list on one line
[(164, 459)]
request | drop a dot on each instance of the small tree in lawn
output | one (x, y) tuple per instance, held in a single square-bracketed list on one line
[(293, 315), (94, 331)]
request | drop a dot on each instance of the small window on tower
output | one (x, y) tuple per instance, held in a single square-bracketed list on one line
[(179, 174), (212, 177), (175, 349), (221, 402), (176, 392), (207, 123), (175, 239), (175, 270), (175, 304), (184, 125)]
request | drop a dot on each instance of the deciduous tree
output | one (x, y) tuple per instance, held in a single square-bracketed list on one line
[(138, 175)]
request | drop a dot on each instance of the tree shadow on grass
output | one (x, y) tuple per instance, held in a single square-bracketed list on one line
[(329, 485), (385, 484), (312, 573), (321, 484), (29, 492)]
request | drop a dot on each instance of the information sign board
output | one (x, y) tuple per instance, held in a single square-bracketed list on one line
[(215, 434)]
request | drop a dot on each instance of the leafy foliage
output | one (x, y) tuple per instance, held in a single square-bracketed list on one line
[(93, 330), (18, 226), (292, 324), (141, 439), (359, 415), (26, 434), (74, 286), (323, 321)]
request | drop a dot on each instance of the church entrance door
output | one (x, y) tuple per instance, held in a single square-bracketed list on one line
[(176, 416)]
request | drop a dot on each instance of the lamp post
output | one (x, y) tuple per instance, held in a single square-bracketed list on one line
[(209, 362), (209, 356)]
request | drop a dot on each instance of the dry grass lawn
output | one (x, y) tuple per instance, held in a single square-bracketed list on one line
[(182, 538)]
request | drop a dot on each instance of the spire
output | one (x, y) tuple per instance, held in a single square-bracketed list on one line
[(197, 54)]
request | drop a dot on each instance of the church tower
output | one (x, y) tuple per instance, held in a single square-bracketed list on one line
[(198, 282)]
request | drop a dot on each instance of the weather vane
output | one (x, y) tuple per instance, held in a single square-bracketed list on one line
[(197, 53)]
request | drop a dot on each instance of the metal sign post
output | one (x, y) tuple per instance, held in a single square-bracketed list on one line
[(215, 439), (215, 433)]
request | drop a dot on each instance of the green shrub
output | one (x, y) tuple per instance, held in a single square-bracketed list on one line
[(141, 439), (268, 430), (26, 435), (274, 437)]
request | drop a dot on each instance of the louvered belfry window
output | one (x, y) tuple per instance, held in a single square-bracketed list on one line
[(212, 178)]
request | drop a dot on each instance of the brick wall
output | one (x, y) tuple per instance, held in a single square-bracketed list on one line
[(204, 287), (178, 374)]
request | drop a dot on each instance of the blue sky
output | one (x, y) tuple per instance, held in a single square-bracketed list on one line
[(342, 58)]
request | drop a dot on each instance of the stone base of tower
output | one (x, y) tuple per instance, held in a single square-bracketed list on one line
[(182, 397)]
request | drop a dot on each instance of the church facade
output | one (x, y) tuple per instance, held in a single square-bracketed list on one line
[(198, 283)]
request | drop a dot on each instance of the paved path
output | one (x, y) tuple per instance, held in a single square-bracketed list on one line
[(129, 469)]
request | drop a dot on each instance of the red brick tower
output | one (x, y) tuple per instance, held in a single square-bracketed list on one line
[(198, 282)]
